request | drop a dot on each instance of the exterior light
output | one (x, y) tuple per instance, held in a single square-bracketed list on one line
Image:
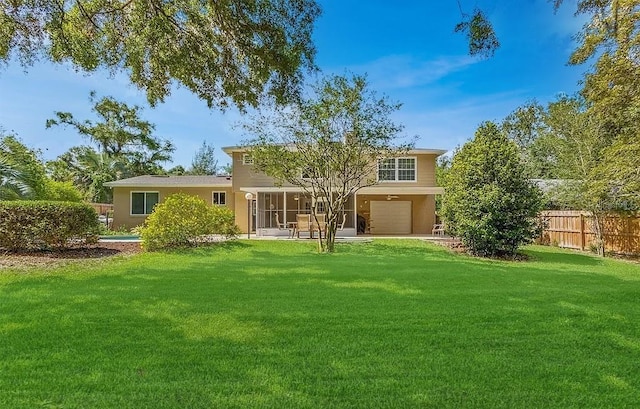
[(249, 198)]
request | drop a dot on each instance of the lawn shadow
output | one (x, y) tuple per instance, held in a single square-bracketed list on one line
[(567, 257)]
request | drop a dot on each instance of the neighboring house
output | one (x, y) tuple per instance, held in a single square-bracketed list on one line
[(134, 198), (403, 201)]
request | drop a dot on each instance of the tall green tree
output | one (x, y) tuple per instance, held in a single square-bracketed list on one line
[(612, 37), (89, 170), (204, 161), (23, 174), (118, 132), (13, 180), (329, 144), (225, 52), (489, 202)]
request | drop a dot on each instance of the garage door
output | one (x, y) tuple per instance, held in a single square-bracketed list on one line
[(390, 217)]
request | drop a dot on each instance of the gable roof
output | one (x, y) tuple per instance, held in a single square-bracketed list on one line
[(172, 181)]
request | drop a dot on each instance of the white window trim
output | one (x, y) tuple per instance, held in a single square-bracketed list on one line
[(395, 180), (247, 159), (225, 197), (145, 202)]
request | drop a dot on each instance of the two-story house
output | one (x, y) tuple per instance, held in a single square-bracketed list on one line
[(401, 203)]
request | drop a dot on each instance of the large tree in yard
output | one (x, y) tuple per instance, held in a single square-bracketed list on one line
[(225, 52), (328, 144), (489, 202)]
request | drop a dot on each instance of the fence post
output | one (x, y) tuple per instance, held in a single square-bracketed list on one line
[(581, 232)]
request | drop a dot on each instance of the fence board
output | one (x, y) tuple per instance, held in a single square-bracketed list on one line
[(103, 208), (574, 229)]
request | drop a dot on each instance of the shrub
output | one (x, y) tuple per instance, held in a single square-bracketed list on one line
[(61, 191), (30, 225), (488, 201), (183, 220)]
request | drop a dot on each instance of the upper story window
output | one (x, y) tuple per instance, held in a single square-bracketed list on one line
[(219, 198), (397, 170), (247, 159), (142, 202)]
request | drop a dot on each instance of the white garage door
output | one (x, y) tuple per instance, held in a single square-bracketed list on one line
[(390, 217)]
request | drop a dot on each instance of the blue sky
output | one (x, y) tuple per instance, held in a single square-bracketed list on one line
[(407, 49)]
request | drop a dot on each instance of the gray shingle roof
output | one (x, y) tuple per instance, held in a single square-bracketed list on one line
[(172, 181)]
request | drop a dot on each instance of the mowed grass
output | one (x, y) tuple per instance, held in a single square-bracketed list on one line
[(390, 324)]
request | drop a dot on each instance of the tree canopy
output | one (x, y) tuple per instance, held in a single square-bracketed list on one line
[(225, 52), (204, 161), (489, 202), (329, 144)]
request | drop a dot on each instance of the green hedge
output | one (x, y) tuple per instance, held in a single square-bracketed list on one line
[(33, 225)]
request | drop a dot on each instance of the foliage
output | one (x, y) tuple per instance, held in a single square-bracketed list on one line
[(88, 171), (126, 148), (489, 203), (177, 171), (120, 133), (328, 144), (13, 180), (61, 191), (224, 52), (24, 175), (28, 225), (182, 220), (443, 165), (612, 36), (204, 162), (483, 40)]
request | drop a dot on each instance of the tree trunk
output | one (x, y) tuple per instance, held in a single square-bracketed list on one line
[(598, 231)]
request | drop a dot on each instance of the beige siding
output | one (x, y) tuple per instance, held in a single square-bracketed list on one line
[(244, 176), (122, 201)]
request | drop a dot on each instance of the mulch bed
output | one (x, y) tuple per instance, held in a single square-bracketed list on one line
[(53, 258)]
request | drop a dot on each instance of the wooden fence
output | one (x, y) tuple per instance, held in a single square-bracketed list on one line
[(574, 229), (103, 208)]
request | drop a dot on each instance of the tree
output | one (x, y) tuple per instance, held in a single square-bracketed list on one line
[(119, 132), (611, 88), (13, 181), (489, 203), (89, 170), (328, 145), (483, 40), (528, 127), (22, 174), (223, 51), (580, 148), (204, 162)]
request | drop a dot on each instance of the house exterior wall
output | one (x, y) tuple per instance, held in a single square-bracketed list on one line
[(244, 176), (425, 175), (123, 218), (423, 209)]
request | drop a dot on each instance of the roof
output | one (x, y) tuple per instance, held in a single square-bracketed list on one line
[(416, 151), (172, 181)]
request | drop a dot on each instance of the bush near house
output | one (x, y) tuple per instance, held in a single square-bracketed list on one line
[(181, 220), (489, 202), (32, 225)]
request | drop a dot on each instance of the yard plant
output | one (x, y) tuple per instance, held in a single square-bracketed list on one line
[(390, 324), (182, 220)]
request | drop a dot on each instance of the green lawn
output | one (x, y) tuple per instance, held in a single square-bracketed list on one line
[(389, 324)]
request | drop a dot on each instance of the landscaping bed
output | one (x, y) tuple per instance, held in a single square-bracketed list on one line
[(49, 258)]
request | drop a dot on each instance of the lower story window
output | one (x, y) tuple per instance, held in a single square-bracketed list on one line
[(219, 198), (143, 202)]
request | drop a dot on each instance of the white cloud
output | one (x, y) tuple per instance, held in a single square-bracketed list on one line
[(405, 71)]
